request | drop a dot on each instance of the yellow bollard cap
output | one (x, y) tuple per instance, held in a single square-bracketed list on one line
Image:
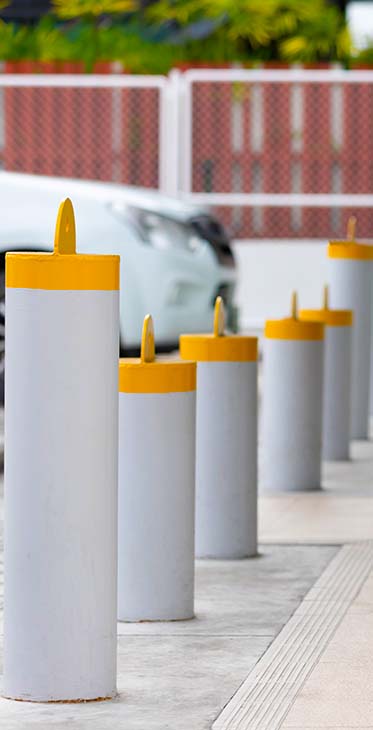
[(349, 248), (64, 268), (330, 317), (292, 328), (217, 346), (146, 374)]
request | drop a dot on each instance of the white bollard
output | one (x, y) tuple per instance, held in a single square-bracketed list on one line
[(292, 403), (350, 288), (156, 486), (371, 366), (337, 378), (61, 446), (226, 459)]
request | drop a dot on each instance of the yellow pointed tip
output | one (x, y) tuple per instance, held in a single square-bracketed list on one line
[(294, 305), (147, 340), (351, 228), (326, 297), (64, 237), (219, 317)]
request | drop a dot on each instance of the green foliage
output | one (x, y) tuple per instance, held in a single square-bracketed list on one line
[(290, 30), (323, 37), (152, 37), (43, 43), (91, 8), (365, 57)]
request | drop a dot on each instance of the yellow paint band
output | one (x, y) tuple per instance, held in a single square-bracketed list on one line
[(61, 271), (293, 329), (350, 250), (330, 317), (226, 348), (159, 376)]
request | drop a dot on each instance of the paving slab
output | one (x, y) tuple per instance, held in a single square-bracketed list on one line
[(180, 675), (191, 675), (318, 671), (339, 691), (340, 512), (265, 699)]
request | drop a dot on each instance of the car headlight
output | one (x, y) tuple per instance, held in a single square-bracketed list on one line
[(159, 231)]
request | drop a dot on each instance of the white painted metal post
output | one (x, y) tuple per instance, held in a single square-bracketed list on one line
[(292, 404), (169, 149), (226, 459), (61, 472), (156, 486), (337, 378), (186, 135), (350, 287)]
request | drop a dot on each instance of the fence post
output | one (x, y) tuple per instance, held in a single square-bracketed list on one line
[(169, 151)]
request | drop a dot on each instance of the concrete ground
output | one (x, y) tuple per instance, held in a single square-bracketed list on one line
[(281, 641), (180, 675), (341, 512)]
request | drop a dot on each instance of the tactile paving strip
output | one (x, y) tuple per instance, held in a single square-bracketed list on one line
[(265, 698)]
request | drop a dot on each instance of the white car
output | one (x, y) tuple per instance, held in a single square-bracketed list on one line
[(175, 258)]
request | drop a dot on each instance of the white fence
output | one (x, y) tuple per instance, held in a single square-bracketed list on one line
[(280, 154)]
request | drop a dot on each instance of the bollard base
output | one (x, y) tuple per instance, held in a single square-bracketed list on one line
[(337, 457), (61, 702), (248, 556), (278, 488), (154, 620)]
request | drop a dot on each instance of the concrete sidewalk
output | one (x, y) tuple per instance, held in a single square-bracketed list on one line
[(281, 641), (338, 693), (340, 513)]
